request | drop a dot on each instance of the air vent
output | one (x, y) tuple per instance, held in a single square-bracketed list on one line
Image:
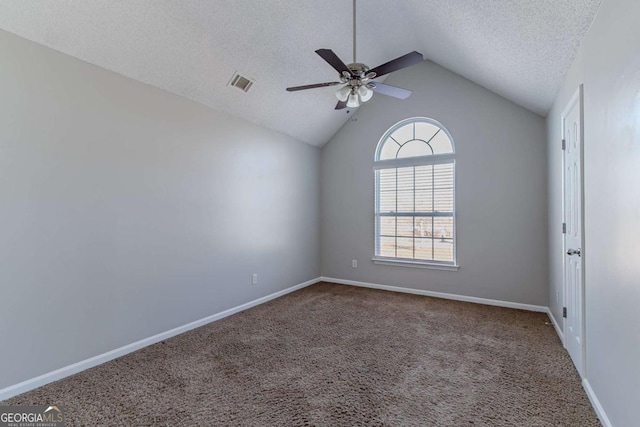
[(241, 82)]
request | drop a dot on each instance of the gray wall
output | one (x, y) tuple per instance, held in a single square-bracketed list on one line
[(608, 65), (126, 211), (501, 190)]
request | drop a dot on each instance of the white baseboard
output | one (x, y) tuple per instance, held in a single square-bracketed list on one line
[(58, 374), (556, 326), (485, 301), (602, 416)]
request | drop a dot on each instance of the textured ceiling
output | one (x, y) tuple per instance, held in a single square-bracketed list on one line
[(520, 49)]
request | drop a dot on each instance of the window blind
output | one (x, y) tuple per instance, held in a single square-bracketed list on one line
[(415, 212)]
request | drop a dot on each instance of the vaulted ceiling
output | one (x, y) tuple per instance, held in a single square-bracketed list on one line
[(520, 49)]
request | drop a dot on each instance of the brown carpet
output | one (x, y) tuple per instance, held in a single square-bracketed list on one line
[(333, 355)]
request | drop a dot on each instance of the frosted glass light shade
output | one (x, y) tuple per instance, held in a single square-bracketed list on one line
[(343, 93), (365, 93), (353, 100)]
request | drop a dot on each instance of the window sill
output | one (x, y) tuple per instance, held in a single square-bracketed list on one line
[(414, 264)]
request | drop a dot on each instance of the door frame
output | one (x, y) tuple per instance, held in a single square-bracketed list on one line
[(578, 97)]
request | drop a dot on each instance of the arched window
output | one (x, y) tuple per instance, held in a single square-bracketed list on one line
[(415, 194)]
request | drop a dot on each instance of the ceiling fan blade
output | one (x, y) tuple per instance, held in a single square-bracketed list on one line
[(397, 64), (396, 92), (333, 60), (295, 88), (341, 105)]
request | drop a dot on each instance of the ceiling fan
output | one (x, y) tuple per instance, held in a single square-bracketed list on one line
[(357, 79)]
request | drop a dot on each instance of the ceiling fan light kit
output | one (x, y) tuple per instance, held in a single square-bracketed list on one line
[(365, 93), (343, 93), (356, 77), (353, 101)]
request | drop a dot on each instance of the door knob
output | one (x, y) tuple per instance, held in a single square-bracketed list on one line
[(574, 252)]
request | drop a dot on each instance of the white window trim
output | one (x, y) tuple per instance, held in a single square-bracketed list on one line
[(435, 159), (401, 262), (408, 162)]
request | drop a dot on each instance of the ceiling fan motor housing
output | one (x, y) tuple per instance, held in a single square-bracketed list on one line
[(358, 75), (358, 69)]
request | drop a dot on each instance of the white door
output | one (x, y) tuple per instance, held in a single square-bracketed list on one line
[(573, 278)]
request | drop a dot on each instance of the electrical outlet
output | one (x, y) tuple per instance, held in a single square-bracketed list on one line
[(354, 263), (254, 279)]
